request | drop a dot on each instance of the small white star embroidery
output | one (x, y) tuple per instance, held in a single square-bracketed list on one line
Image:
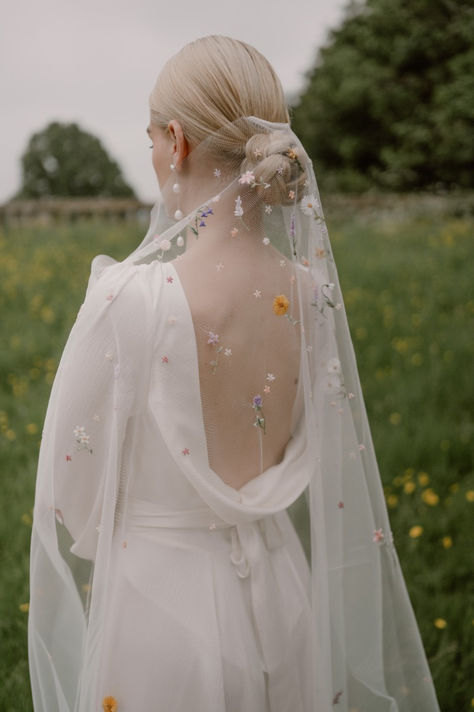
[(257, 294)]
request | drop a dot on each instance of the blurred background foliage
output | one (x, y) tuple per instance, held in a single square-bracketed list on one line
[(389, 103), (64, 160)]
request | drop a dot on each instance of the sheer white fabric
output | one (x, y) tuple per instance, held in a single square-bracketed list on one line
[(210, 380)]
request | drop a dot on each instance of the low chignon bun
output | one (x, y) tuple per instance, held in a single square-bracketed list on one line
[(273, 160)]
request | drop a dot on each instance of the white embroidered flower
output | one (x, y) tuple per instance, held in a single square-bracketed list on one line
[(309, 204), (217, 172), (257, 294), (228, 352), (334, 366), (268, 209), (266, 240), (239, 211), (270, 377), (164, 245), (180, 241), (247, 178), (79, 431)]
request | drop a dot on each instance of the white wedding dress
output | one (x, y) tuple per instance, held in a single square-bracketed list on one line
[(205, 616)]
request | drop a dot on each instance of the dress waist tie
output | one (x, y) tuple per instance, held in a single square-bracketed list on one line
[(249, 540)]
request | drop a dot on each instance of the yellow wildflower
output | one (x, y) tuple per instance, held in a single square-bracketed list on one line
[(423, 478), (32, 428), (447, 542), (280, 305), (470, 495), (430, 497), (392, 500), (415, 531), (440, 623), (24, 607), (109, 704), (409, 487)]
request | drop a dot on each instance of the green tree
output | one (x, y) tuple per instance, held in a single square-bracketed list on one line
[(64, 160), (390, 100)]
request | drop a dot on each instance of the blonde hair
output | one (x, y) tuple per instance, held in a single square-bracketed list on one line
[(212, 83)]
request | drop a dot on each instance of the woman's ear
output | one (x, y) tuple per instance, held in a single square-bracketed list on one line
[(181, 146)]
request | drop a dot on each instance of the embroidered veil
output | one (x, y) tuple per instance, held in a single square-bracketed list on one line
[(282, 414)]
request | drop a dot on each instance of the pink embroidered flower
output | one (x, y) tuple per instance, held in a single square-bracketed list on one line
[(340, 505), (234, 231), (169, 280), (247, 178), (109, 297), (291, 194), (378, 535), (213, 338), (266, 389), (68, 458), (186, 451), (361, 447), (164, 359)]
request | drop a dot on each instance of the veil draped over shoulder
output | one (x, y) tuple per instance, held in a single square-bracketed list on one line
[(242, 234)]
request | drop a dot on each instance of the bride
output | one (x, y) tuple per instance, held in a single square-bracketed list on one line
[(209, 380)]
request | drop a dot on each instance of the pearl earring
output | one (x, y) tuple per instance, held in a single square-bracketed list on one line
[(178, 213)]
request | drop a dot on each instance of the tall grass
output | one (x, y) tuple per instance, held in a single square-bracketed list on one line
[(407, 286)]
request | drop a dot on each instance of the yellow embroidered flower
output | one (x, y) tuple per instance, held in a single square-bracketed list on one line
[(109, 704), (292, 154), (280, 305)]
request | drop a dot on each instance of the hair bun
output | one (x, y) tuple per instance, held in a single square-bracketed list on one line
[(274, 160)]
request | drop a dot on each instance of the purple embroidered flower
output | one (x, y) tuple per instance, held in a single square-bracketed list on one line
[(257, 401), (213, 338)]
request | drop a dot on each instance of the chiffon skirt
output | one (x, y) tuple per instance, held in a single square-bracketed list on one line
[(209, 617)]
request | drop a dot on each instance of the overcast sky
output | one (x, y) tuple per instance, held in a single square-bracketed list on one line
[(95, 62)]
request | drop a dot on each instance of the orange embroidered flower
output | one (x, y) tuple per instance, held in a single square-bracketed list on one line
[(280, 305), (109, 704)]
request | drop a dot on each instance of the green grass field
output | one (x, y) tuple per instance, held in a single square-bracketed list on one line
[(407, 286)]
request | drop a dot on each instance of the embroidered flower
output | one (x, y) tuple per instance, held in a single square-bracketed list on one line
[(228, 352), (109, 297), (213, 338), (268, 209), (165, 245), (109, 704), (266, 241), (186, 451), (164, 359), (180, 241), (217, 172), (280, 305), (266, 389), (340, 505), (291, 194), (257, 294), (257, 403), (247, 178), (109, 355), (291, 153), (305, 262), (270, 377), (234, 231), (283, 264), (310, 206), (68, 458), (238, 211), (334, 366), (378, 536), (82, 438), (319, 252), (219, 266), (169, 280)]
